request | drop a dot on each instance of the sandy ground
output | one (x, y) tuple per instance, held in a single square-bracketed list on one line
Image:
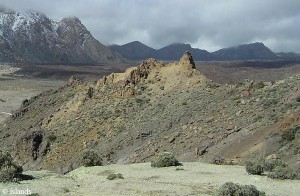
[(141, 179), (14, 89)]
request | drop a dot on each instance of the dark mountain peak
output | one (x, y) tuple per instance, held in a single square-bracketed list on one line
[(71, 19), (138, 51), (250, 51), (136, 44), (179, 45), (134, 50)]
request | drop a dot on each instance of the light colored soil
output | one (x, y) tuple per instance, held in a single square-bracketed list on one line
[(13, 90), (141, 179)]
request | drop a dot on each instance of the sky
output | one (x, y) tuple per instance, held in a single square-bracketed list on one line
[(205, 24)]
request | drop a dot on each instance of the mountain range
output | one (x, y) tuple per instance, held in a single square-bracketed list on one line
[(253, 51), (32, 37)]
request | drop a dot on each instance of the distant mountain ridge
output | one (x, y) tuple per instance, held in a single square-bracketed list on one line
[(245, 52), (32, 37), (134, 50), (253, 51)]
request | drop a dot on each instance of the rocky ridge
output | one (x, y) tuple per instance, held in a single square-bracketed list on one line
[(130, 117)]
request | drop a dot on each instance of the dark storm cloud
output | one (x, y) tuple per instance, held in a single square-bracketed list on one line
[(204, 24)]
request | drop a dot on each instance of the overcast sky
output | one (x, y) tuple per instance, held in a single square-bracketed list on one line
[(205, 24)]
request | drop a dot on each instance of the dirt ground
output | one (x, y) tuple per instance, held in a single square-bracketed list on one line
[(194, 178), (14, 89)]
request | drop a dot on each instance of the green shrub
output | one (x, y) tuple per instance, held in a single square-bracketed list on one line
[(254, 167), (269, 165), (232, 189), (162, 88), (165, 159), (9, 170), (282, 173), (115, 176), (217, 160), (260, 84), (288, 135), (90, 158), (52, 138)]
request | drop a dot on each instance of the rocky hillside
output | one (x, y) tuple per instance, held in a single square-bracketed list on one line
[(130, 117), (32, 37)]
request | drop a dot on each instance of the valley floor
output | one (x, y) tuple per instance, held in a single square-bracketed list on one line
[(14, 89), (141, 179)]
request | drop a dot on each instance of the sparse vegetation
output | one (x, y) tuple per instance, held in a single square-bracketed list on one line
[(115, 176), (52, 138), (267, 103), (165, 159), (289, 134), (254, 167), (90, 158), (276, 168), (260, 84), (269, 165), (282, 172), (9, 170), (233, 189), (217, 160), (162, 88)]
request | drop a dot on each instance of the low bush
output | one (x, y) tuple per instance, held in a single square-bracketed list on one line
[(90, 158), (52, 138), (260, 84), (255, 167), (233, 189), (275, 168), (165, 159), (269, 165), (217, 160), (115, 176), (288, 135), (9, 170), (282, 172)]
